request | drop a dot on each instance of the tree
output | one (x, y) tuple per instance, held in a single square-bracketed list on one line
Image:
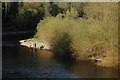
[(72, 13), (103, 12), (55, 9), (47, 10)]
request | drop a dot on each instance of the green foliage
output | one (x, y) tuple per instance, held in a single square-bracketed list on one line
[(72, 13), (102, 12), (26, 15), (55, 9), (94, 36), (31, 40), (84, 35), (79, 6), (29, 14), (47, 10), (64, 5)]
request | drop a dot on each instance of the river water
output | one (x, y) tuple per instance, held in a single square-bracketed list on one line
[(22, 62)]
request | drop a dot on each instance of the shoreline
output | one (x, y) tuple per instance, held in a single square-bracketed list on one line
[(45, 46), (34, 44)]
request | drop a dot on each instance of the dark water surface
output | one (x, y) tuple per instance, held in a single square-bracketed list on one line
[(23, 62)]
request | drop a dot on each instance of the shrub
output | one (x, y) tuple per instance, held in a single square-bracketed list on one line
[(84, 38)]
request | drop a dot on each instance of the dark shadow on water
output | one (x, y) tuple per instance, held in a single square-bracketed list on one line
[(85, 69), (63, 52), (64, 56)]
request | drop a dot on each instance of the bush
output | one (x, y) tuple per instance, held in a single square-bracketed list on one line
[(84, 38)]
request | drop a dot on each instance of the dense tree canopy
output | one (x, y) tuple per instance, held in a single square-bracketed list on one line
[(26, 15)]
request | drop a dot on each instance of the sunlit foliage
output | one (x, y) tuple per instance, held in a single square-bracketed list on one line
[(94, 35)]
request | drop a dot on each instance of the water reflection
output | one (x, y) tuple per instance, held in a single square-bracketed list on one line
[(22, 62), (88, 70), (85, 69)]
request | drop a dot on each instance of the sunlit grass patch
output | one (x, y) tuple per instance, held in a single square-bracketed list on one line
[(31, 40)]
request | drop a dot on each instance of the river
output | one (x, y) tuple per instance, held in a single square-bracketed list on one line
[(22, 62)]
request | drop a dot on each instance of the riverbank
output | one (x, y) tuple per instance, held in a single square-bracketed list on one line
[(100, 61), (42, 63), (38, 43), (35, 43)]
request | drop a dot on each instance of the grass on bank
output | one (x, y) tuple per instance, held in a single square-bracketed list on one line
[(31, 40)]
